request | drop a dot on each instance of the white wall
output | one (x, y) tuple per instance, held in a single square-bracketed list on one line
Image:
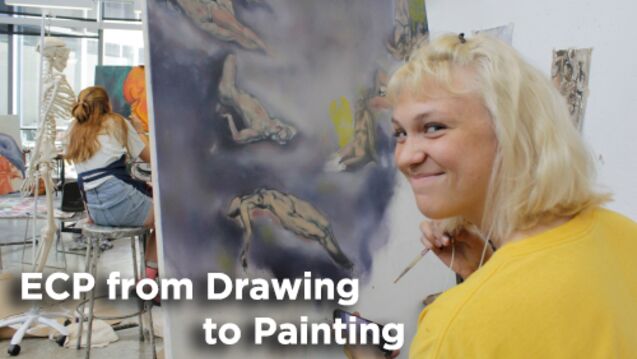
[(609, 28), (609, 125)]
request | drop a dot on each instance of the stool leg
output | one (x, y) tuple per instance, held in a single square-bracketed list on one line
[(26, 234), (136, 272), (89, 329), (149, 310), (87, 266), (59, 243), (148, 306)]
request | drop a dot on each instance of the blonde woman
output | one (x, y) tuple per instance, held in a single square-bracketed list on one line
[(486, 143), (98, 143)]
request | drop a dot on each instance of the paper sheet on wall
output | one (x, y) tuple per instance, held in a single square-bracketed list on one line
[(570, 73)]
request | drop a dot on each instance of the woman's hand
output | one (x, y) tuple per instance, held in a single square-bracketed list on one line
[(468, 247), (367, 351)]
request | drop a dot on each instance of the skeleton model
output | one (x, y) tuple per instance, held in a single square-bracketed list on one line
[(257, 123), (362, 149), (57, 100), (294, 214), (218, 19)]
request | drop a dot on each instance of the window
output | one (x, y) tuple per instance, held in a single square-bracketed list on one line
[(111, 50), (20, 36), (91, 48), (79, 72), (56, 12), (127, 52), (4, 74), (28, 62), (123, 47), (121, 11)]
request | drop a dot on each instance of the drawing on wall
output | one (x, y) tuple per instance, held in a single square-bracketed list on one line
[(292, 213), (410, 28), (504, 32), (256, 123), (570, 73), (11, 165), (126, 86), (217, 17)]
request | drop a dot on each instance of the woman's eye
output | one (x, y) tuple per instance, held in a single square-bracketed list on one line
[(400, 135), (434, 127)]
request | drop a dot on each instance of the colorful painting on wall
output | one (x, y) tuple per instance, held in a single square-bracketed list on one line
[(11, 165), (272, 133), (126, 86), (570, 73)]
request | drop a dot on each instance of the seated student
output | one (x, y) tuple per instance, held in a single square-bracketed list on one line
[(487, 145), (98, 142)]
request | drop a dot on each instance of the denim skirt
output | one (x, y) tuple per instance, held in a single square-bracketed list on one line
[(116, 203)]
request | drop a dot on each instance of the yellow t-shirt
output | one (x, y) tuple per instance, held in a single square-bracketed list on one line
[(570, 292)]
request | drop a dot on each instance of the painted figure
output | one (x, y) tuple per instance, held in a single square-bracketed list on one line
[(134, 92), (294, 214), (57, 99), (257, 125), (362, 149), (218, 19), (409, 32)]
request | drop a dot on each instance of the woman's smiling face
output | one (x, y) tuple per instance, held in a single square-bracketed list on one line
[(445, 147)]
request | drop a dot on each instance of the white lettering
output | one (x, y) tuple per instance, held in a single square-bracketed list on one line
[(212, 294), (27, 286), (48, 286), (260, 331)]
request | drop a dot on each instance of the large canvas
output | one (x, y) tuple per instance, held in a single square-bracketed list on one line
[(570, 73), (126, 86), (274, 152)]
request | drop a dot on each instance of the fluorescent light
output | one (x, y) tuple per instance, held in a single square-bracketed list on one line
[(54, 4)]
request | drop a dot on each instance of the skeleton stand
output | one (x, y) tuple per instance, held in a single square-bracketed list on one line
[(35, 316)]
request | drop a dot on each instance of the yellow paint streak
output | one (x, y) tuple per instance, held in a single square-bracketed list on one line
[(417, 12), (343, 120)]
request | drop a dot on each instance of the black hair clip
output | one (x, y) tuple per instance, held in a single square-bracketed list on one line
[(461, 37)]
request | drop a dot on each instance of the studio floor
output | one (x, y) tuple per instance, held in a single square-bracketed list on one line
[(118, 258)]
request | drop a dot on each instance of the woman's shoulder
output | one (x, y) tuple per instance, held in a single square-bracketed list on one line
[(613, 218), (113, 118)]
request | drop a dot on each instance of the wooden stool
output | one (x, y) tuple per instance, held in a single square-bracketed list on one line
[(138, 237)]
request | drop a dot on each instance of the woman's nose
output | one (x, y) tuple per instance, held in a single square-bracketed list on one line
[(409, 153)]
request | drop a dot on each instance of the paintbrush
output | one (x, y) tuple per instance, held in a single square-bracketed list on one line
[(411, 265)]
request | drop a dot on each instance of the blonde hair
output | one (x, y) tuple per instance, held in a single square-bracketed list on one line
[(542, 169), (93, 116)]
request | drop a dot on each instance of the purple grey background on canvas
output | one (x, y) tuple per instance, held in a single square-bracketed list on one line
[(320, 50)]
